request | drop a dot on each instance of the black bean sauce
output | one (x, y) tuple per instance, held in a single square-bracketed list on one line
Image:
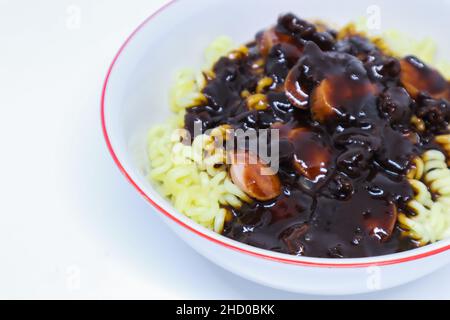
[(343, 168)]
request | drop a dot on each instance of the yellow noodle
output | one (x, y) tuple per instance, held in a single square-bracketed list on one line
[(186, 91), (432, 218), (217, 49), (193, 176), (417, 171), (263, 84), (444, 141)]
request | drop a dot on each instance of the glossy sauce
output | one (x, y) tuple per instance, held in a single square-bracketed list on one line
[(346, 138)]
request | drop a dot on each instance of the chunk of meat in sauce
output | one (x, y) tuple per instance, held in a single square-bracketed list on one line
[(417, 77), (254, 177), (337, 82), (311, 154)]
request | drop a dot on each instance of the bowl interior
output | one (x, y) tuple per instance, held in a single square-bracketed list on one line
[(136, 96)]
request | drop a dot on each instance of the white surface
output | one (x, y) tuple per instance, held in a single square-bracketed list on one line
[(71, 226)]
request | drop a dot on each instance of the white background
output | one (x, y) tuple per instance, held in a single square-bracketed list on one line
[(71, 226)]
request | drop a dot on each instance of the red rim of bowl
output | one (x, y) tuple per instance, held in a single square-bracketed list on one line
[(200, 233)]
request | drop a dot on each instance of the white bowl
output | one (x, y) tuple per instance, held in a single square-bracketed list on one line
[(135, 98)]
